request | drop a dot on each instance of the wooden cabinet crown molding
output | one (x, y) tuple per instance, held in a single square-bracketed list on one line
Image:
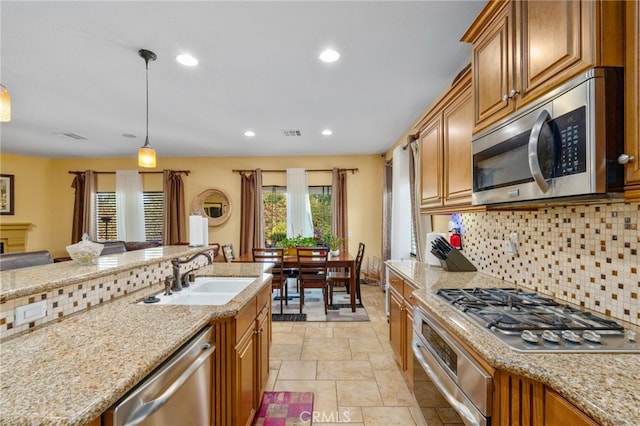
[(484, 18)]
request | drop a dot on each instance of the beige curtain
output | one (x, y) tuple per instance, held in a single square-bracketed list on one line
[(174, 228), (84, 206), (414, 186), (339, 222), (251, 211)]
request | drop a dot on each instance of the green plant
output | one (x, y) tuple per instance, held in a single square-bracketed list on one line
[(333, 241), (298, 241)]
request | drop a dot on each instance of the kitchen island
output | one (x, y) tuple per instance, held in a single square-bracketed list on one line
[(69, 372), (603, 385)]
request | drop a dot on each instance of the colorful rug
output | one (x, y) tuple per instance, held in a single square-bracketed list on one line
[(285, 409), (313, 309)]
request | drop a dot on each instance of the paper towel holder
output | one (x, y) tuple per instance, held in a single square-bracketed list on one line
[(213, 203)]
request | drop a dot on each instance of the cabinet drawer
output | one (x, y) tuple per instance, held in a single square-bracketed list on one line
[(264, 297), (408, 294), (245, 318), (396, 282)]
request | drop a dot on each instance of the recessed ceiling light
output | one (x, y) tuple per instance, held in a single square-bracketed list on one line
[(249, 133), (329, 55), (327, 132), (186, 59)]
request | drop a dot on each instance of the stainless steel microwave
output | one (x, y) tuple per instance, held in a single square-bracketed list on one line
[(565, 144)]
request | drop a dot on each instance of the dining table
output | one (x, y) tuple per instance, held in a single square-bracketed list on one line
[(342, 260)]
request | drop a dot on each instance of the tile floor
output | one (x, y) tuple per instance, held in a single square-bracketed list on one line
[(348, 365)]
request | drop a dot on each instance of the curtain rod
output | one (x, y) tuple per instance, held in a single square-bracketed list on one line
[(410, 139), (353, 171), (186, 172)]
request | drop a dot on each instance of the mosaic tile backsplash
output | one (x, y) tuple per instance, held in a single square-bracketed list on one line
[(585, 255)]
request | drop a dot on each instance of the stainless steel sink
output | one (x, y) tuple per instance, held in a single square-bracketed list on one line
[(212, 291)]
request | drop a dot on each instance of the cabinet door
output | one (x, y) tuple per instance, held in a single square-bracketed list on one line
[(632, 96), (493, 69), (245, 379), (262, 341), (555, 39), (559, 411), (458, 126), (408, 352), (396, 332), (431, 163)]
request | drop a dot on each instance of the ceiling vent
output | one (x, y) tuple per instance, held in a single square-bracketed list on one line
[(292, 132), (71, 135)]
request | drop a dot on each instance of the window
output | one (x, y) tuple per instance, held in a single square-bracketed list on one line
[(106, 215), (275, 212)]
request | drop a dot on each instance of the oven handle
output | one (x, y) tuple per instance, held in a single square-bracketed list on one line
[(447, 387), (534, 162)]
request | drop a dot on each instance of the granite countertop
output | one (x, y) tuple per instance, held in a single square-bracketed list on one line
[(69, 372), (605, 386), (37, 279)]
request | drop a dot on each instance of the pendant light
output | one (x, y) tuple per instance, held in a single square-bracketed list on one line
[(146, 154), (5, 104)]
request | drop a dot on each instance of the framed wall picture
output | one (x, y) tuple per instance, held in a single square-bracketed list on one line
[(6, 194)]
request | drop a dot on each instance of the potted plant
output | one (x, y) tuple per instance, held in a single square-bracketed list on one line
[(334, 244), (289, 244)]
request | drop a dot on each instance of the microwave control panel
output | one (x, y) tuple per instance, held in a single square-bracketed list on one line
[(570, 131)]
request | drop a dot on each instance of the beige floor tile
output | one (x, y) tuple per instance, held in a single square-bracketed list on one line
[(324, 393), (354, 331), (449, 416), (282, 351), (358, 393), (350, 414), (387, 416), (297, 370), (383, 361), (393, 389), (360, 356), (288, 337), (364, 344), (274, 364), (319, 333), (345, 370), (321, 349)]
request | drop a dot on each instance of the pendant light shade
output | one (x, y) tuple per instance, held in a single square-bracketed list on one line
[(5, 104), (146, 154)]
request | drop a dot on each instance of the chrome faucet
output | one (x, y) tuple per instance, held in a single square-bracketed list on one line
[(180, 281)]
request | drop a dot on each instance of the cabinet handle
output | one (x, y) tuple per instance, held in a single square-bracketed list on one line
[(625, 158), (511, 95)]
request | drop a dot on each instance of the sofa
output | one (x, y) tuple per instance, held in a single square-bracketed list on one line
[(10, 261)]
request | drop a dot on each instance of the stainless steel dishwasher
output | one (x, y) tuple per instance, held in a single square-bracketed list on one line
[(177, 393)]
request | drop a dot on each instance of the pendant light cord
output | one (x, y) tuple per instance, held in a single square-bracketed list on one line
[(146, 61)]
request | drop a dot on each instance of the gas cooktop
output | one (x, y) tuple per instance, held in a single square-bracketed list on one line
[(527, 321)]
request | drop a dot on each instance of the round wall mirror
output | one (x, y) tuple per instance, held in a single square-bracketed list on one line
[(215, 204)]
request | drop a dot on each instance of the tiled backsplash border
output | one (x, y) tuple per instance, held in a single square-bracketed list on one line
[(78, 297), (586, 255)]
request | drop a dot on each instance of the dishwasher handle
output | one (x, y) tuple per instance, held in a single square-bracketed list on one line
[(147, 409)]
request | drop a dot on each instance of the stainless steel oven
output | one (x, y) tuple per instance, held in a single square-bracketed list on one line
[(565, 144), (464, 384)]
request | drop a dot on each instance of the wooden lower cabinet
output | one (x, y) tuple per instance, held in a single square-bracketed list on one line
[(526, 402), (401, 324), (251, 364)]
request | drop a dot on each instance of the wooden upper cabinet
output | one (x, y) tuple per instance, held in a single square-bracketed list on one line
[(522, 49), (431, 162), (632, 100), (445, 149), (457, 120), (493, 67)]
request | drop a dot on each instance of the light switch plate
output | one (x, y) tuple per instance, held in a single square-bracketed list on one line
[(30, 312)]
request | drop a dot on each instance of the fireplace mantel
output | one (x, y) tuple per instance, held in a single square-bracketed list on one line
[(14, 236)]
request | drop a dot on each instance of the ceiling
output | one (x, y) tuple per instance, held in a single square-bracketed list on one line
[(73, 68)]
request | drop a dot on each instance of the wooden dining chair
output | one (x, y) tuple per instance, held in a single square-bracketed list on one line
[(343, 276), (279, 280), (227, 252), (312, 272)]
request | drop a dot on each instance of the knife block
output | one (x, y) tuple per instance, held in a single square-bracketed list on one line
[(456, 262)]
